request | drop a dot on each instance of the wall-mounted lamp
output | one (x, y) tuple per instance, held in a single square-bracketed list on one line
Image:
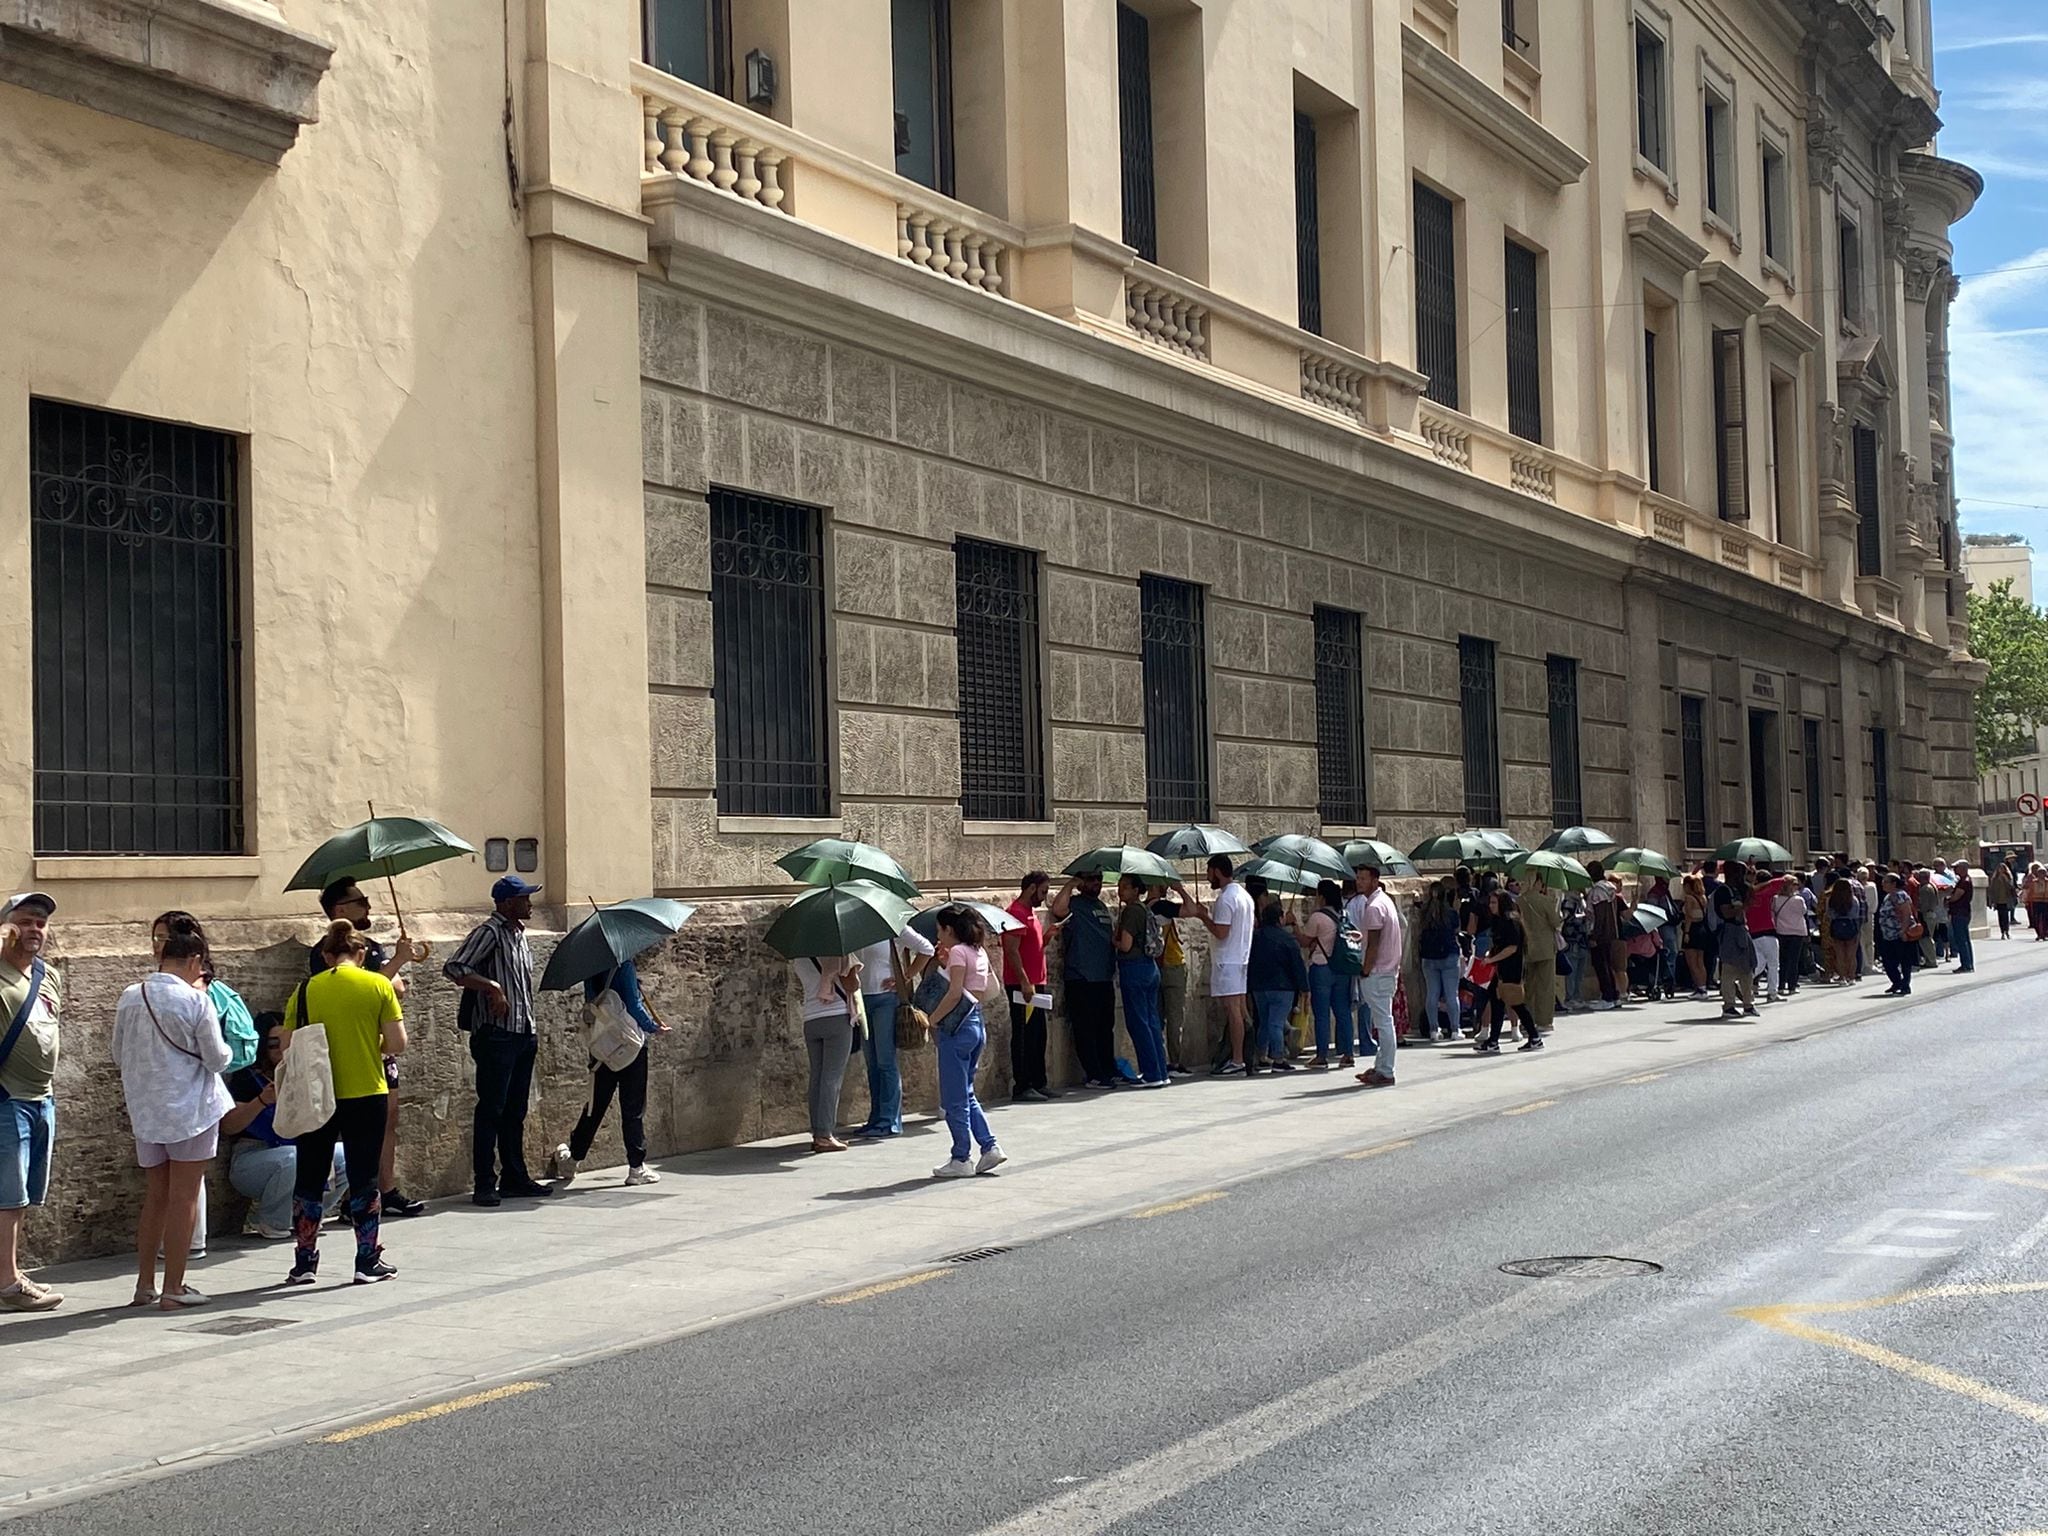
[(760, 80)]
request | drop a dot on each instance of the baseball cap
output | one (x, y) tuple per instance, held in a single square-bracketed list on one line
[(509, 886), (23, 898)]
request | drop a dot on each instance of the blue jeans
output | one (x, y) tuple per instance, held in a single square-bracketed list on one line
[(1439, 990), (1272, 1010), (1140, 981), (28, 1127), (1667, 961), (1574, 959), (885, 1082), (959, 1054), (1379, 1002), (1961, 944), (1329, 997)]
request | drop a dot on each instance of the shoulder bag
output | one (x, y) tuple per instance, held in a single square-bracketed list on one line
[(305, 1077), (28, 1006), (616, 1038), (162, 1033), (913, 1024)]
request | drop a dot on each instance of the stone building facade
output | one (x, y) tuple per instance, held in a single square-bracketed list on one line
[(674, 429)]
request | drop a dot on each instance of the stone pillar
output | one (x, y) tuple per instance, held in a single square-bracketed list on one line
[(1650, 794), (1857, 831)]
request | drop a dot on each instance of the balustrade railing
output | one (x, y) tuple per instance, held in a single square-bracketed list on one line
[(1533, 474), (1332, 384), (1447, 438), (1158, 312)]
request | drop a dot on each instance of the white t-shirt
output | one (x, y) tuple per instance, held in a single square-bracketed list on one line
[(810, 976), (1233, 905), (876, 972)]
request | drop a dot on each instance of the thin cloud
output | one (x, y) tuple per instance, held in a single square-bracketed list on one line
[(1974, 44), (1998, 372)]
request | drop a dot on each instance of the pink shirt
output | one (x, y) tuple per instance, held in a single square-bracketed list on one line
[(975, 959), (1378, 914)]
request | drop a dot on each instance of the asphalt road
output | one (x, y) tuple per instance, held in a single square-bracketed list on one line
[(1338, 1349)]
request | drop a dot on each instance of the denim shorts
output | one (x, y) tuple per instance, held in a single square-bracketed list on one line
[(27, 1127)]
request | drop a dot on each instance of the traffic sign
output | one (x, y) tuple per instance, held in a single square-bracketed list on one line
[(2030, 805)]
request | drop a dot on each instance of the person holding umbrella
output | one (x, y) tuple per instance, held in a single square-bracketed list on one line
[(887, 968), (1140, 941), (1088, 958), (1229, 920), (494, 968), (1024, 975)]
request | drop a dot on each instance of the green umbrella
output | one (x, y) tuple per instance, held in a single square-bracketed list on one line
[(609, 937), (1641, 861), (838, 919), (383, 845), (1371, 853), (835, 861), (1304, 855), (1500, 841), (1558, 870), (1195, 841), (1125, 860), (1281, 877), (1459, 848), (1577, 840), (1761, 849)]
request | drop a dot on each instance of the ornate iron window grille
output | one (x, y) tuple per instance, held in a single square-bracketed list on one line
[(1567, 799), (1524, 343), (1869, 506), (135, 534), (1692, 751), (1002, 756), (768, 657), (1480, 716), (1175, 659), (1816, 791), (1134, 140), (1308, 259), (1340, 717), (1881, 788), (1436, 294)]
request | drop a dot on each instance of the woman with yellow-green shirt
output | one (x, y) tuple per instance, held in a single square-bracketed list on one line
[(364, 1024)]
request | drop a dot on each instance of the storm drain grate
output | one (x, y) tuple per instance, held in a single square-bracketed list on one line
[(234, 1327), (1581, 1266), (972, 1255)]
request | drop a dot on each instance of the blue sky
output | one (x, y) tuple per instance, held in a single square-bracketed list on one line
[(1991, 63)]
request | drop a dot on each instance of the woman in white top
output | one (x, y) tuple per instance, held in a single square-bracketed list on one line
[(958, 1037), (830, 983), (168, 1045)]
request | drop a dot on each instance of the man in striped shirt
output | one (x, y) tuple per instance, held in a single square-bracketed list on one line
[(494, 968)]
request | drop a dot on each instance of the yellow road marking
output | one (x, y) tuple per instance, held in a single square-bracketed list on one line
[(1385, 1146), (1529, 1109), (1178, 1205), (883, 1288), (421, 1415), (1899, 1299), (1647, 1077), (2015, 1175)]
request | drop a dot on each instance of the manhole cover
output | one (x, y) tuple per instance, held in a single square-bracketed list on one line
[(232, 1327), (1581, 1266), (972, 1255)]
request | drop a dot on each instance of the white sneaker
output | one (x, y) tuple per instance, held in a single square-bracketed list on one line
[(991, 1160), (564, 1166), (1605, 1007), (272, 1234), (958, 1168), (641, 1175)]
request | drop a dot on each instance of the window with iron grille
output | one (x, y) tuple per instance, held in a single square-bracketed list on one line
[(1816, 790), (1650, 408), (921, 48), (1692, 757), (1436, 294), (1002, 756), (1869, 508), (1480, 717), (1175, 659), (1524, 343), (135, 555), (1653, 92), (1731, 429), (1510, 26), (689, 39), (1881, 788), (768, 657), (1134, 116), (1308, 257), (1849, 269), (1340, 717), (1567, 798)]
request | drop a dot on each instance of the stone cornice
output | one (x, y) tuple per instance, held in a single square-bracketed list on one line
[(228, 73), (1652, 232), (1497, 122), (1947, 185), (1719, 277), (553, 213), (1778, 319)]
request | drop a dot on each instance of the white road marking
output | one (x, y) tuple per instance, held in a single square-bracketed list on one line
[(2026, 1242), (1870, 1241)]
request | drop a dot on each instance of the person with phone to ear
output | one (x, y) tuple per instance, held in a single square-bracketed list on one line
[(30, 1002)]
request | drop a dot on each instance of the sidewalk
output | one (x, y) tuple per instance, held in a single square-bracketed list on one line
[(492, 1296)]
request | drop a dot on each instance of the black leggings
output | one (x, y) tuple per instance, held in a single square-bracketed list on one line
[(631, 1085), (358, 1124), (1898, 957), (1492, 1009)]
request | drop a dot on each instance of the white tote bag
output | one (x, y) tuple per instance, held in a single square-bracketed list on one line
[(305, 1083), (615, 1039)]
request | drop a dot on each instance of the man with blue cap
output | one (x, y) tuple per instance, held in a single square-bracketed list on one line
[(494, 968)]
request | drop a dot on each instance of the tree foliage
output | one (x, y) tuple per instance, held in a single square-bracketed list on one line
[(2010, 635)]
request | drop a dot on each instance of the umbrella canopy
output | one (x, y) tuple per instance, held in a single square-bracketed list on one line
[(1647, 917), (1125, 860), (1304, 855), (609, 937), (1500, 841), (1195, 841), (1281, 877), (1642, 861), (838, 919), (926, 923), (835, 861), (1761, 849), (1578, 840), (1942, 882), (1459, 848), (1371, 853), (381, 846), (1560, 871)]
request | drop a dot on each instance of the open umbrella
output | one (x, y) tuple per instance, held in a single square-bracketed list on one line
[(609, 937), (835, 860), (1195, 841), (1304, 855), (1281, 877), (383, 845), (1647, 917), (1500, 841), (926, 923), (1641, 861), (1123, 859), (1459, 848), (1560, 871), (838, 919), (1942, 882), (1761, 849), (1371, 853), (1577, 841)]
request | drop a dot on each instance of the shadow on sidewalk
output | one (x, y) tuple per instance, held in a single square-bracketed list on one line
[(885, 1191), (221, 1306)]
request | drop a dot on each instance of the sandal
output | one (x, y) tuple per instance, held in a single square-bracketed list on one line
[(144, 1298), (184, 1296)]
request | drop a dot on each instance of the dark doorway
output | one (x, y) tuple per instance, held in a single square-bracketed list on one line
[(1763, 758)]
